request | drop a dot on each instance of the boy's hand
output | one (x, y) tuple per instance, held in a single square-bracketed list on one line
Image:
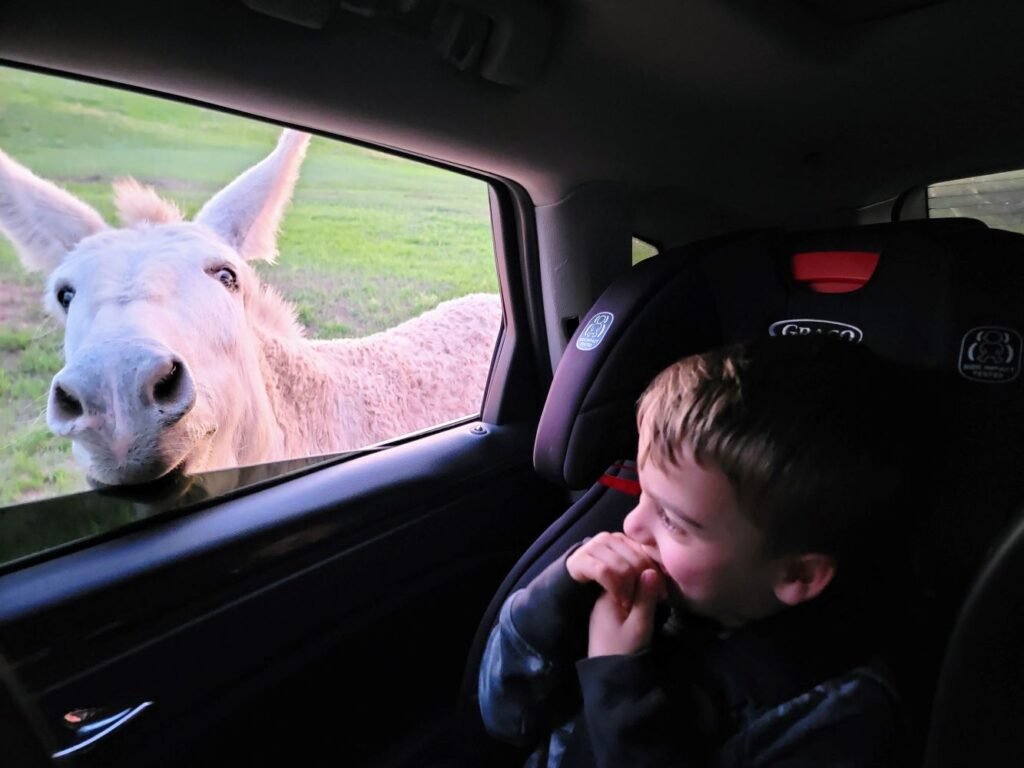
[(622, 620), (616, 630), (614, 561)]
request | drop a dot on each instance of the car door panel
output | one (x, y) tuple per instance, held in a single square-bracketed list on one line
[(354, 589)]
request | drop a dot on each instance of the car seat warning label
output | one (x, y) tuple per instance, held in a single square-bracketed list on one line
[(991, 354), (594, 333)]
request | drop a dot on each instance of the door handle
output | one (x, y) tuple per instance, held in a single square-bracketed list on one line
[(91, 725)]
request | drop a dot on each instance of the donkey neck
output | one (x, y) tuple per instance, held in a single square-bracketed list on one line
[(308, 395)]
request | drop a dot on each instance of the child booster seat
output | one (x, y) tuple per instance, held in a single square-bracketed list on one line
[(944, 297)]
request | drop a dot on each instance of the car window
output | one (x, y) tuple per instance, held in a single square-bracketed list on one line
[(996, 199), (642, 250), (164, 307)]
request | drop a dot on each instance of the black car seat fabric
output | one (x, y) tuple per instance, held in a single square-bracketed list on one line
[(979, 704), (941, 297)]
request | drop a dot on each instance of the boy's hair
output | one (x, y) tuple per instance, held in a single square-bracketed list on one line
[(798, 425)]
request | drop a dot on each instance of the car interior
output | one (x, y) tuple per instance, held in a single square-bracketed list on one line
[(779, 158)]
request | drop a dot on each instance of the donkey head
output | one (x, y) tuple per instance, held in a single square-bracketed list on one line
[(162, 362)]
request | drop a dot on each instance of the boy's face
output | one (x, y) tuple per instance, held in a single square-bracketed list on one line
[(689, 522)]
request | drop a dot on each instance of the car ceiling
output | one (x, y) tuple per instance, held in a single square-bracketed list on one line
[(743, 111)]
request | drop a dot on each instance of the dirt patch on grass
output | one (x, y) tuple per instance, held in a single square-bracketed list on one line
[(160, 182), (320, 302), (21, 305)]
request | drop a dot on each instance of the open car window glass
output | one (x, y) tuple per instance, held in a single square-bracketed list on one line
[(184, 292), (996, 199)]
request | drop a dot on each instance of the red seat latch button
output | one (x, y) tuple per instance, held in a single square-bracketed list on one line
[(834, 271)]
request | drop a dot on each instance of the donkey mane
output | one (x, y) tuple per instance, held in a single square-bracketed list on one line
[(140, 204)]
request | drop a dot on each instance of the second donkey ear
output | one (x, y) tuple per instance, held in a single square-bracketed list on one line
[(42, 221), (247, 212)]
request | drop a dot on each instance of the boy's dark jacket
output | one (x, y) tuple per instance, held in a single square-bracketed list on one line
[(796, 689)]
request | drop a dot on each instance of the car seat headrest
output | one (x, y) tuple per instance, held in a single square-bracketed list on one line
[(939, 295)]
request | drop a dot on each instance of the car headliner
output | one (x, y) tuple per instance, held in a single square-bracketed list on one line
[(742, 112)]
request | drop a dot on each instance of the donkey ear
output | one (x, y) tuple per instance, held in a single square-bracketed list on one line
[(247, 212), (43, 221)]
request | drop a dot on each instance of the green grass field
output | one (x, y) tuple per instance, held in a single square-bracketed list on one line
[(369, 240)]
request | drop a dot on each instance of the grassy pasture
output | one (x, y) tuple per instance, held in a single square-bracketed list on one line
[(369, 240)]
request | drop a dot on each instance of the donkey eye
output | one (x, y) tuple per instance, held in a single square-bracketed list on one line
[(64, 296), (227, 278)]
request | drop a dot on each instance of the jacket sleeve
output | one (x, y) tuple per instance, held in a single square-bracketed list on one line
[(526, 684)]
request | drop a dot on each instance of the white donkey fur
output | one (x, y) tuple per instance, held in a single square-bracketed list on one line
[(169, 314)]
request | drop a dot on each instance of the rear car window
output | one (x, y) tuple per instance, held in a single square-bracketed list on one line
[(642, 250), (368, 312), (996, 199)]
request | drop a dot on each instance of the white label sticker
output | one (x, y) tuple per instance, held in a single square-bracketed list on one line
[(990, 354), (594, 332)]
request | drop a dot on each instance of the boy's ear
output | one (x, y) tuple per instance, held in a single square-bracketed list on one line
[(804, 577)]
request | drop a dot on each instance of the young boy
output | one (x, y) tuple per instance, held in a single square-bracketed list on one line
[(728, 623)]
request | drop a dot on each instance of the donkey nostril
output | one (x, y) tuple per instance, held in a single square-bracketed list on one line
[(167, 388), (66, 404)]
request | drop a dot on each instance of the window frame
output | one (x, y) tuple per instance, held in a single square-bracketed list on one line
[(517, 380)]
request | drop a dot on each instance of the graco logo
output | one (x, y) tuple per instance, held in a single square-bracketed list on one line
[(811, 327), (595, 330), (990, 354)]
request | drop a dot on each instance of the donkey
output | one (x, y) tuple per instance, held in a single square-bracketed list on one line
[(177, 356)]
